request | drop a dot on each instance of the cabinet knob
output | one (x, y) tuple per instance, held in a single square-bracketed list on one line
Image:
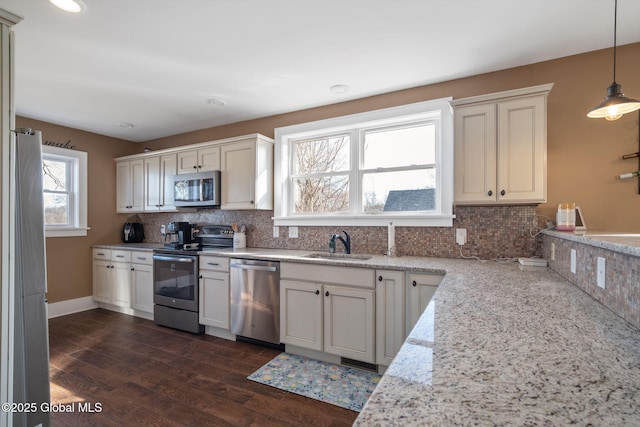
[(317, 292), (326, 294), (200, 276), (415, 283), (133, 269), (379, 278), (490, 193), (502, 193)]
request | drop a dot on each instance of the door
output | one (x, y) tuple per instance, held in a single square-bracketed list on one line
[(152, 175), (121, 284), (238, 175), (475, 153), (142, 287), (301, 314), (349, 323), (390, 316), (421, 288), (102, 281), (214, 299), (522, 150)]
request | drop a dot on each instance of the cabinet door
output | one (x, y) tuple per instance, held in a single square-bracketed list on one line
[(522, 150), (209, 159), (152, 183), (214, 299), (168, 169), (349, 323), (142, 287), (137, 185), (475, 153), (238, 175), (301, 314), (102, 280), (390, 316), (121, 284), (188, 161), (421, 288), (123, 187)]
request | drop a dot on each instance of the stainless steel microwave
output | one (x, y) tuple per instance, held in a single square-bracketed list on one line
[(197, 189)]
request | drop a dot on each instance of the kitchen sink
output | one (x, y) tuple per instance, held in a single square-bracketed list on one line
[(345, 257)]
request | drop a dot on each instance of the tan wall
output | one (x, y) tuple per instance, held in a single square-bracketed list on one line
[(584, 155), (69, 258)]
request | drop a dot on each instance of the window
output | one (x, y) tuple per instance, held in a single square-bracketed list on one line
[(64, 182), (387, 165)]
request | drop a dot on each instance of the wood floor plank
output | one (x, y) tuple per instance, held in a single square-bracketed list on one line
[(147, 375)]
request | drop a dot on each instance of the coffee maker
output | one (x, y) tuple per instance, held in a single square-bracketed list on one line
[(180, 235)]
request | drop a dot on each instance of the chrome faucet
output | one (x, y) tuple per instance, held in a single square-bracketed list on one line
[(346, 243)]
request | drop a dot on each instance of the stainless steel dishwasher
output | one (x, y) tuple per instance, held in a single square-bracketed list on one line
[(255, 299)]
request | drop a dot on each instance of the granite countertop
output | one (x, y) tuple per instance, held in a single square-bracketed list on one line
[(625, 243), (499, 344)]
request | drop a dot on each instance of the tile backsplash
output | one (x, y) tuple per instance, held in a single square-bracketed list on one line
[(492, 232)]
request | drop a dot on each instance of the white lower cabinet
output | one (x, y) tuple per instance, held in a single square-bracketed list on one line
[(112, 277), (420, 290), (336, 318), (142, 281), (214, 291), (390, 314)]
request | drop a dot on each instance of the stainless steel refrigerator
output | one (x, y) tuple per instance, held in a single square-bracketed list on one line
[(31, 332)]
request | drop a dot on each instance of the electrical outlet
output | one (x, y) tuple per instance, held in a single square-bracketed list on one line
[(573, 261), (553, 252), (600, 277), (276, 231), (293, 232), (461, 236)]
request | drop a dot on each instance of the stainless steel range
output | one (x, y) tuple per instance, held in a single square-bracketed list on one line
[(175, 274)]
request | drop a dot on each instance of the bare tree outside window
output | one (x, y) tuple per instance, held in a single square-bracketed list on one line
[(320, 176), (56, 192)]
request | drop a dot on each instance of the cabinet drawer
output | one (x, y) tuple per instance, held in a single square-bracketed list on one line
[(118, 255), (347, 276), (99, 253), (215, 263), (142, 258)]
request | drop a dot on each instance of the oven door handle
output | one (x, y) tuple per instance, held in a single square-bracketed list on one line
[(172, 258), (253, 267)]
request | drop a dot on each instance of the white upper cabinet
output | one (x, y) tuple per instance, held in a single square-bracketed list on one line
[(158, 183), (130, 186), (199, 160), (247, 174), (500, 147)]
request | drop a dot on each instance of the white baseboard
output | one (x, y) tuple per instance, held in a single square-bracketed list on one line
[(71, 306)]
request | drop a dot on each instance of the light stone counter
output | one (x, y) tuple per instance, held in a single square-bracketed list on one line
[(502, 346)]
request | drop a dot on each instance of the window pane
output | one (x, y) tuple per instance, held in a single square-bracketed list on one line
[(56, 209), (399, 191), (321, 195), (415, 145), (321, 155), (54, 174)]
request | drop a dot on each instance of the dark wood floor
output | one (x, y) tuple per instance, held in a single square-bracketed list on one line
[(147, 375)]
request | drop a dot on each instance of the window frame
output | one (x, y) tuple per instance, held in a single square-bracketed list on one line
[(435, 110), (77, 195)]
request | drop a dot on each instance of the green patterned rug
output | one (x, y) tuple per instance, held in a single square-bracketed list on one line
[(339, 385)]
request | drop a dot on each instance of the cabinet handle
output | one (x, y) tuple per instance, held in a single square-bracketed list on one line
[(414, 283), (142, 258), (326, 294), (490, 193), (251, 202), (195, 166), (100, 253), (502, 193), (200, 276), (379, 278), (212, 263), (317, 292), (119, 256), (133, 269)]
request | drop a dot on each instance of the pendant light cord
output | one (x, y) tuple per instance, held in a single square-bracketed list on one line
[(615, 32)]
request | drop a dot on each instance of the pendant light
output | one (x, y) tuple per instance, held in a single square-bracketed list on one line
[(615, 104)]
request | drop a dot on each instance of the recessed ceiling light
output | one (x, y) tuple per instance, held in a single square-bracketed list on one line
[(217, 102), (73, 6), (125, 125), (339, 89)]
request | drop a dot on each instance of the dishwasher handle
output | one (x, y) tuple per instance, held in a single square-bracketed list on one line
[(253, 267)]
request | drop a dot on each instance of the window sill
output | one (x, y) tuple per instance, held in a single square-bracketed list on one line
[(66, 232), (367, 221)]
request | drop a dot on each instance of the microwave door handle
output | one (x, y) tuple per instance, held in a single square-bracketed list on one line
[(201, 186)]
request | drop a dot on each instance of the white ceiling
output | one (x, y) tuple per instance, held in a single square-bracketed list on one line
[(155, 63)]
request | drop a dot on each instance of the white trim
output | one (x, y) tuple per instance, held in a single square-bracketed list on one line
[(62, 308), (437, 108), (80, 157), (515, 93)]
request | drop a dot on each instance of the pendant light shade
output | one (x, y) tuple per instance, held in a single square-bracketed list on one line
[(615, 104)]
